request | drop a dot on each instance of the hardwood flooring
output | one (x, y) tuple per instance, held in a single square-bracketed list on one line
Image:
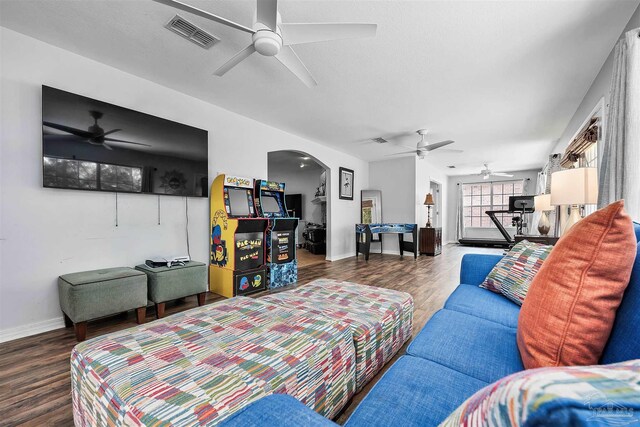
[(306, 258), (34, 371)]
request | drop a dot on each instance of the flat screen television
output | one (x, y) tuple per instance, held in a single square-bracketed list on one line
[(93, 145)]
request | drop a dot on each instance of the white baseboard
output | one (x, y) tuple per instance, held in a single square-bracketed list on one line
[(31, 329), (341, 256)]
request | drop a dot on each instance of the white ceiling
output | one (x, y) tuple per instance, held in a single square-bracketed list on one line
[(501, 78)]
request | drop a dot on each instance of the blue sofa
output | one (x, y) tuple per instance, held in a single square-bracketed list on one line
[(468, 344)]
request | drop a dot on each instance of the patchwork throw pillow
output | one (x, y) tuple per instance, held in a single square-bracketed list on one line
[(579, 395), (568, 314), (515, 271)]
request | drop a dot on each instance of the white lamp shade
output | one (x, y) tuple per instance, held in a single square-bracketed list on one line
[(543, 203), (574, 187)]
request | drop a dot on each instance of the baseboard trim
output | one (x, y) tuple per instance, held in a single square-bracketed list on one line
[(342, 256), (31, 329)]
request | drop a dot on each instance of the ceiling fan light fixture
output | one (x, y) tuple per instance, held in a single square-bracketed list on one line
[(267, 42)]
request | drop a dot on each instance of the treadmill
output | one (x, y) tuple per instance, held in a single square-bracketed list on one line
[(518, 206)]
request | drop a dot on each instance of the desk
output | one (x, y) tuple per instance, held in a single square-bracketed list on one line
[(364, 235)]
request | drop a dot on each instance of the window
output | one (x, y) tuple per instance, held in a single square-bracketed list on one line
[(488, 196), (66, 173)]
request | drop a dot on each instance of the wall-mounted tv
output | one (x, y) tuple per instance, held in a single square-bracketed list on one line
[(92, 145)]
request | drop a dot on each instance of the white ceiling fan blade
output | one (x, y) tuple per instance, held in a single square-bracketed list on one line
[(437, 145), (204, 14), (508, 175), (402, 152), (237, 58), (449, 150), (320, 32), (289, 59), (268, 13)]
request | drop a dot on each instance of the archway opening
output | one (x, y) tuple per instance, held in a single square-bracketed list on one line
[(307, 190)]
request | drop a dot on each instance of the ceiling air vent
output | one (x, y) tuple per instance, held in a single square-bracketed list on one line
[(189, 31), (379, 140)]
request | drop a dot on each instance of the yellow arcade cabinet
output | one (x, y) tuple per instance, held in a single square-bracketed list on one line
[(237, 239)]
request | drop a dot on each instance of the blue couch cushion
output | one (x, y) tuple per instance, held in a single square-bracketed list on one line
[(276, 410), (414, 392), (482, 303), (476, 347), (624, 341), (474, 268)]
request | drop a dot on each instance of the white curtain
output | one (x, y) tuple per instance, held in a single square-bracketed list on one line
[(459, 215), (620, 167)]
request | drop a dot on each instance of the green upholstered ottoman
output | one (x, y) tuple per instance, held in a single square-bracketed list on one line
[(88, 295), (170, 283)]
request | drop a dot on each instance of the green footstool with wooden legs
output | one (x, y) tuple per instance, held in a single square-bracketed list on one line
[(89, 295), (171, 283)]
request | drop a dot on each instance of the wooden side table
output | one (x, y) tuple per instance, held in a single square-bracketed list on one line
[(431, 241)]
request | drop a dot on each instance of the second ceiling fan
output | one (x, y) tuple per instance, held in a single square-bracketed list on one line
[(422, 148), (271, 37)]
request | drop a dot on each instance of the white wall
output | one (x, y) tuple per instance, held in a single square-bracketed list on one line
[(395, 178), (476, 232), (599, 89), (427, 171), (48, 232)]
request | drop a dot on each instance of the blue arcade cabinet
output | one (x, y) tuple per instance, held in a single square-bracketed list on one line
[(282, 265)]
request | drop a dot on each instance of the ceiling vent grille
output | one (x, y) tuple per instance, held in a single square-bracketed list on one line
[(379, 140), (191, 32)]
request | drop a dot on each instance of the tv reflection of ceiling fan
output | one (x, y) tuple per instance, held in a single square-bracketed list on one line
[(422, 149), (94, 135), (486, 173), (272, 37)]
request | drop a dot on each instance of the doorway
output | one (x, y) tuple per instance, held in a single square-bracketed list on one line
[(435, 188), (306, 193)]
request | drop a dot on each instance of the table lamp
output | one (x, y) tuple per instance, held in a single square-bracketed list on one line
[(428, 202), (574, 187), (543, 205)]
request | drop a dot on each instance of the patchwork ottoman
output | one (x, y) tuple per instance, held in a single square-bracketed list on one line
[(199, 366), (167, 284), (380, 319), (88, 295)]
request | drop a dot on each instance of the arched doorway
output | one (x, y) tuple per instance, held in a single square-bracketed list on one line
[(308, 190)]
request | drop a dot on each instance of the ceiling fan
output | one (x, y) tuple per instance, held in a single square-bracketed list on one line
[(95, 135), (271, 37), (486, 173), (422, 149)]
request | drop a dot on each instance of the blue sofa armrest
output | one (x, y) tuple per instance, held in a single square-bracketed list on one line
[(276, 410), (475, 267)]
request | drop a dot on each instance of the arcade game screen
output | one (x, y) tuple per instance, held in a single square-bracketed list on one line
[(270, 204), (239, 202)]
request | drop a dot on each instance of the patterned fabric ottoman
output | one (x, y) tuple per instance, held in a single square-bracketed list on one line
[(198, 367), (380, 319)]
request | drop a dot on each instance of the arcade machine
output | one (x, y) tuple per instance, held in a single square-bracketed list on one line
[(282, 265), (237, 264)]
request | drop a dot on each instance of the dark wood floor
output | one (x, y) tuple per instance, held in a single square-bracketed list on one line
[(34, 371)]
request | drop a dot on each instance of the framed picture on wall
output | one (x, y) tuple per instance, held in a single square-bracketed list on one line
[(346, 184)]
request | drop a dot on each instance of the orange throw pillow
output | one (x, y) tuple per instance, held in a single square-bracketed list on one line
[(569, 310)]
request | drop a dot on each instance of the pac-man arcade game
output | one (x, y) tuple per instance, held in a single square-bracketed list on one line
[(282, 265), (237, 264)]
